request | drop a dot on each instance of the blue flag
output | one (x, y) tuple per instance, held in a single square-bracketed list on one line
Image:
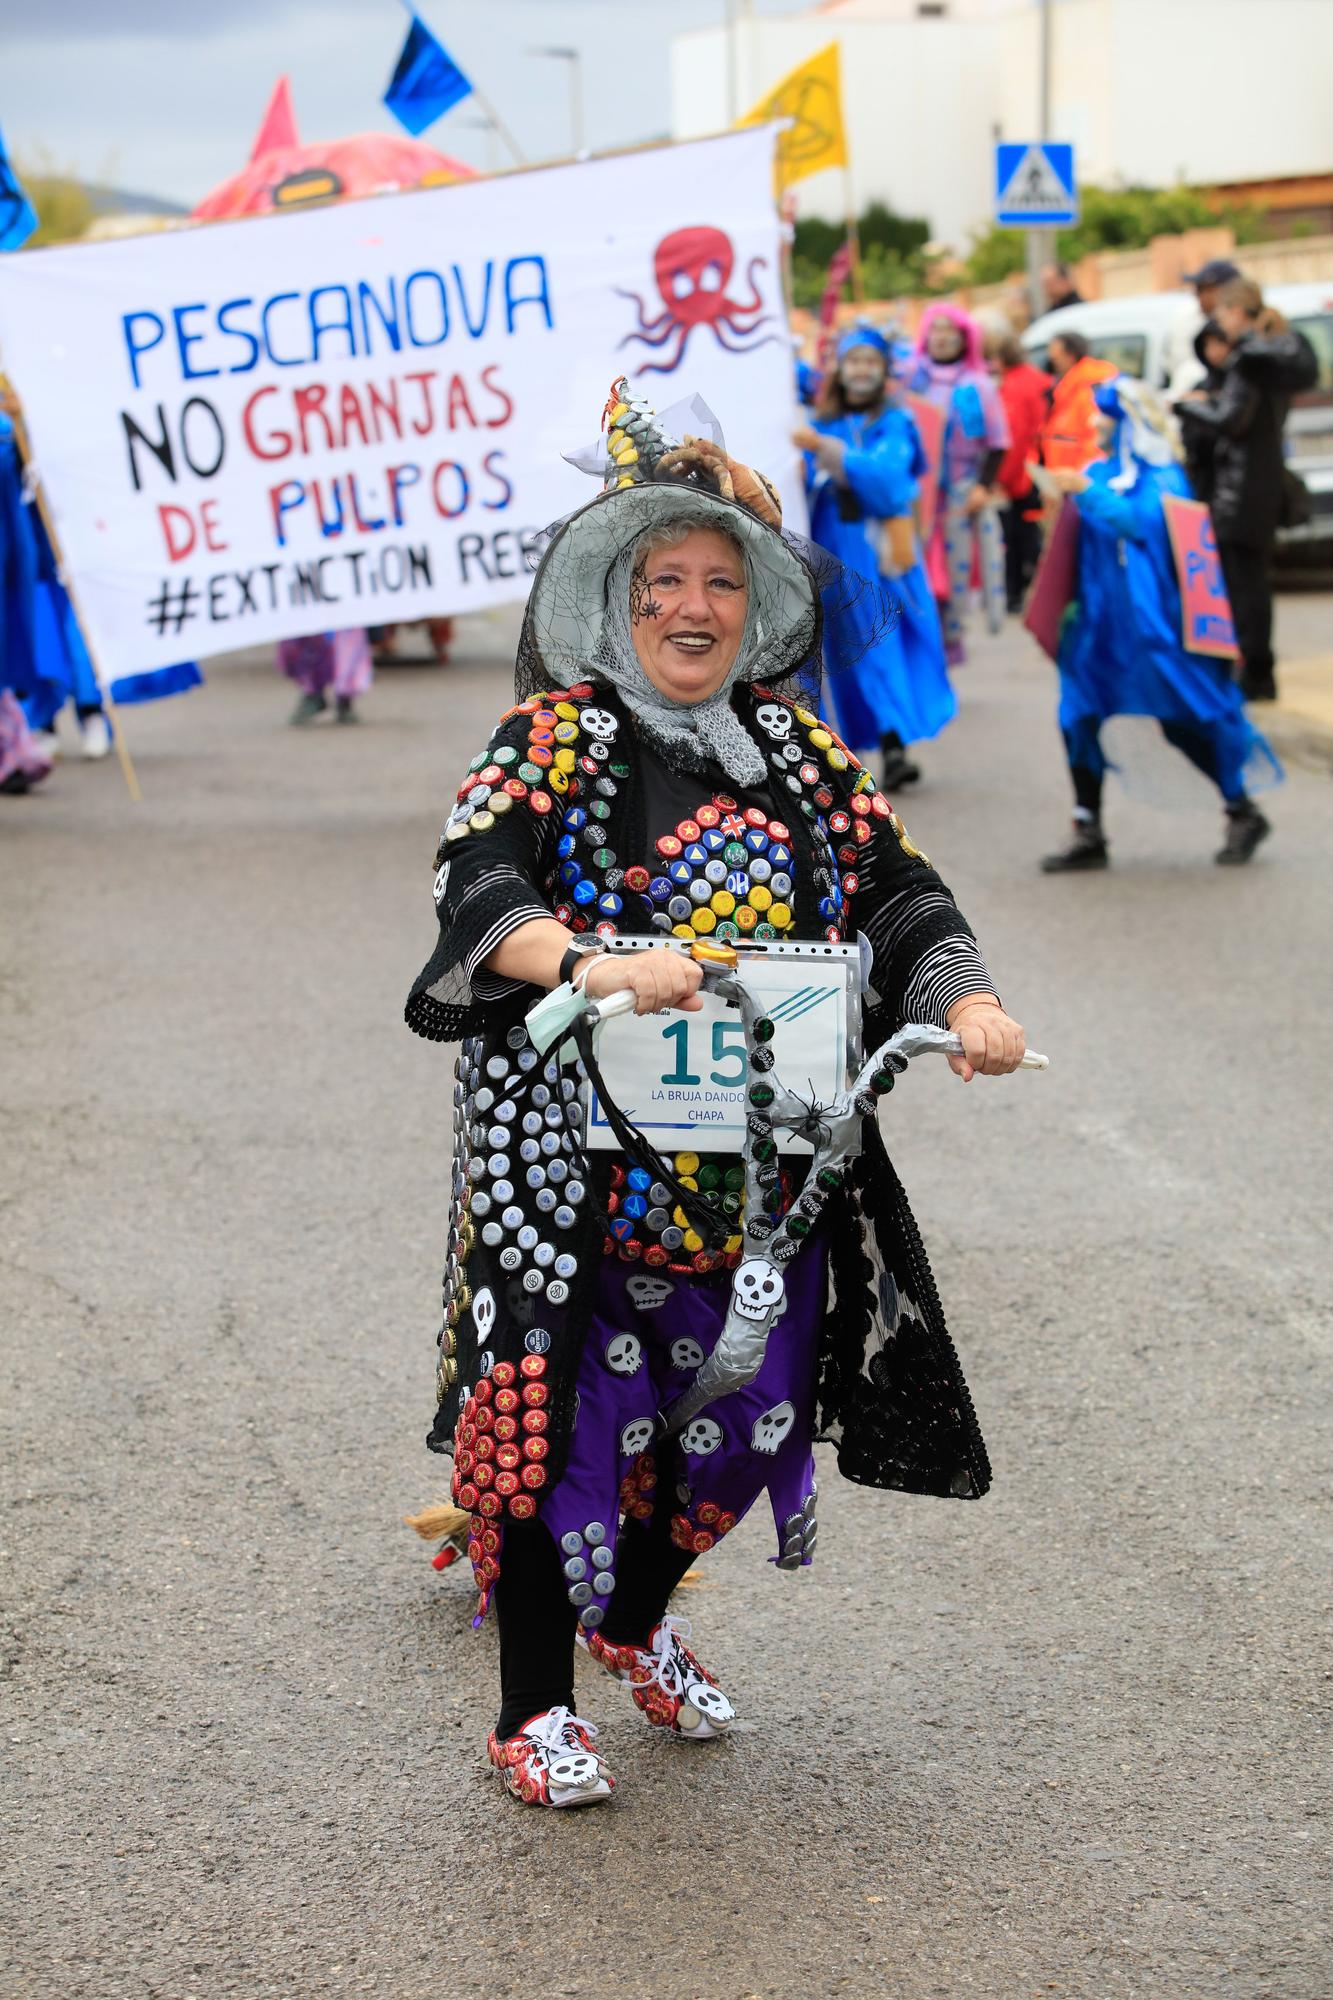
[(18, 217), (426, 83)]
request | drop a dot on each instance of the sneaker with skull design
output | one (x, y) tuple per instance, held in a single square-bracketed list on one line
[(667, 1682), (551, 1761)]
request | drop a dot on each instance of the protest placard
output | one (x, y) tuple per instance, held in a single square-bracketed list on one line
[(1205, 611), (355, 414)]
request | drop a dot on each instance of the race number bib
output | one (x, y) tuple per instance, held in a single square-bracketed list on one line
[(681, 1078)]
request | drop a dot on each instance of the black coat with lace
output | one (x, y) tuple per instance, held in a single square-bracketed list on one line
[(891, 1395)]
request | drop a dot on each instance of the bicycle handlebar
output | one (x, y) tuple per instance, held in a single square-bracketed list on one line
[(923, 1040), (834, 1134)]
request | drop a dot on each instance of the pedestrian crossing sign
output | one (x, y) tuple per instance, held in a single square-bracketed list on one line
[(1035, 186)]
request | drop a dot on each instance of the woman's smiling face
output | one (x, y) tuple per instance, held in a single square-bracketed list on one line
[(861, 373), (944, 341), (687, 613)]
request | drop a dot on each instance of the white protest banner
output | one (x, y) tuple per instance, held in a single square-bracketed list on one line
[(354, 415)]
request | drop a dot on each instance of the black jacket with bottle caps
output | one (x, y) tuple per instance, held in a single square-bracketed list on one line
[(891, 1394)]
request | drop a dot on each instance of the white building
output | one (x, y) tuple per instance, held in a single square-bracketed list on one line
[(1150, 92)]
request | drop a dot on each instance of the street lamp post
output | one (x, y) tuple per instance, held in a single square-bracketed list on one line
[(1040, 243), (575, 61), (485, 123)]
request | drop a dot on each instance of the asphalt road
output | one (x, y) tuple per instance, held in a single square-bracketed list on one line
[(1064, 1742)]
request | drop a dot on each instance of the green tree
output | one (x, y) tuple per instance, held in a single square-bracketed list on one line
[(881, 229), (994, 255), (890, 253), (1111, 219), (816, 240), (63, 207)]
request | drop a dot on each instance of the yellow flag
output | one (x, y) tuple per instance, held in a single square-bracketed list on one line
[(811, 97)]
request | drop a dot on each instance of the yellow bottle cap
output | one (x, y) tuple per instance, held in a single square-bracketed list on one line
[(760, 898)]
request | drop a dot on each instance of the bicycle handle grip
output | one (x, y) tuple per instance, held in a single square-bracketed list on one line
[(622, 1002), (952, 1045)]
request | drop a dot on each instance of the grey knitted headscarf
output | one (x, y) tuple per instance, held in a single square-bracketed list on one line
[(577, 626), (691, 734)]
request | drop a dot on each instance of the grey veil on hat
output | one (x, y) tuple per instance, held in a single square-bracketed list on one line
[(578, 619)]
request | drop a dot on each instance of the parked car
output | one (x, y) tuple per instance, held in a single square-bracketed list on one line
[(1149, 336)]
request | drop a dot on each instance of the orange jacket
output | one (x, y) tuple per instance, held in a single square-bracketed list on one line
[(1069, 435)]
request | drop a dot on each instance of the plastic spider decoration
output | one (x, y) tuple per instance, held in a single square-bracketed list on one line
[(693, 268)]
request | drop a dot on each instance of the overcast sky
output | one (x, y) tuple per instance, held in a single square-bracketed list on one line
[(164, 96)]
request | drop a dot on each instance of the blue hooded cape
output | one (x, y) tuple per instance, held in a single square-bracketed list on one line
[(43, 658), (1121, 650), (898, 681)]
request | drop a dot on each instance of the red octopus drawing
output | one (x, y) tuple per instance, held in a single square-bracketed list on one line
[(693, 269)]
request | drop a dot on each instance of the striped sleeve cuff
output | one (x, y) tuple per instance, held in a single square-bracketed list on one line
[(493, 985), (950, 968)]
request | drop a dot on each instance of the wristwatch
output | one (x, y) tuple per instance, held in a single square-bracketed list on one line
[(580, 948)]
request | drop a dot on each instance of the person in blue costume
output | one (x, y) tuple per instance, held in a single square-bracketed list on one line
[(1120, 649), (808, 379), (59, 668), (864, 460), (23, 760)]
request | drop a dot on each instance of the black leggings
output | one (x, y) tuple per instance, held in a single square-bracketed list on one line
[(537, 1620), (1250, 590), (1196, 744)]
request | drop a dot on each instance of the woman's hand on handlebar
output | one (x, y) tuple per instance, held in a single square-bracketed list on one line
[(993, 1044), (656, 978)]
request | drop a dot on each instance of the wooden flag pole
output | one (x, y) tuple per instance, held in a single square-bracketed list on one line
[(853, 236), (103, 685)]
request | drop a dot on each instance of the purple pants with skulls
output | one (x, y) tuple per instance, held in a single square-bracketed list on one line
[(648, 1336)]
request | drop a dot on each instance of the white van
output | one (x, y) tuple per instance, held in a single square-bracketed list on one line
[(1151, 336)]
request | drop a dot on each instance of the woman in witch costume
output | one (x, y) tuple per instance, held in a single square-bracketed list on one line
[(665, 772)]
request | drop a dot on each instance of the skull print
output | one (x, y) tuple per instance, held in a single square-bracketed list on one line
[(571, 1769), (441, 882), (624, 1354), (483, 1312), (757, 1290), (599, 723), (649, 1293), (772, 1427), (636, 1437), (686, 1353), (702, 1436), (776, 720)]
